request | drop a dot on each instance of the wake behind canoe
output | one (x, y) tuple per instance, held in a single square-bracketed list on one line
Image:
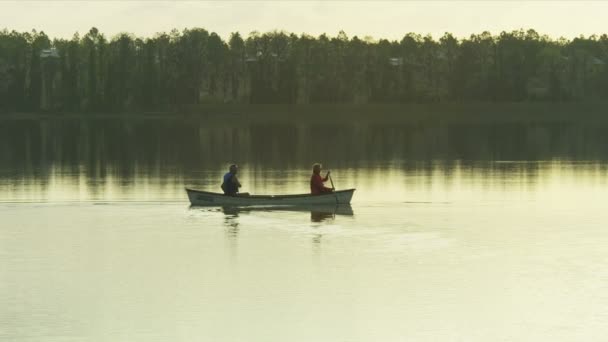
[(204, 198)]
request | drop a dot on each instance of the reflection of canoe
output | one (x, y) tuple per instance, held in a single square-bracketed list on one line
[(318, 213), (205, 198), (320, 209)]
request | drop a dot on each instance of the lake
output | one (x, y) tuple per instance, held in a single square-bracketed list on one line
[(457, 232)]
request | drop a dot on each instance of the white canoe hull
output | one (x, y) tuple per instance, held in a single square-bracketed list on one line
[(204, 198)]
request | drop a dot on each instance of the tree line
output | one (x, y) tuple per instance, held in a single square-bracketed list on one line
[(195, 66)]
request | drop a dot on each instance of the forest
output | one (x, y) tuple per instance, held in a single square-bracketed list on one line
[(125, 73)]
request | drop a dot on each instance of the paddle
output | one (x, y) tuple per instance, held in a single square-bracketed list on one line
[(333, 188), (332, 182)]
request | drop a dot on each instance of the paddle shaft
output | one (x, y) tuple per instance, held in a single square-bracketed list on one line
[(332, 182)]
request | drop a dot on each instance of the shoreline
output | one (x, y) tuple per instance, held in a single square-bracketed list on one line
[(567, 112)]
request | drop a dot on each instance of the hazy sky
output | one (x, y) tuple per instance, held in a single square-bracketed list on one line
[(380, 19)]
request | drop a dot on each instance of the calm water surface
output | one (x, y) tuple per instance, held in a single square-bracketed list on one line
[(455, 233)]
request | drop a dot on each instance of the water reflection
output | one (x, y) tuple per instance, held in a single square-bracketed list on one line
[(231, 221), (152, 160), (320, 216), (318, 213), (408, 181), (31, 147)]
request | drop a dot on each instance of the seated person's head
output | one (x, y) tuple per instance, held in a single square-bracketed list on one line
[(316, 168)]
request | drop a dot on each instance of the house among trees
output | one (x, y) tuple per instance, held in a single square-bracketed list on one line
[(395, 61), (49, 53)]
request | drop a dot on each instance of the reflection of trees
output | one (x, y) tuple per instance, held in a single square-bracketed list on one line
[(153, 146), (104, 154)]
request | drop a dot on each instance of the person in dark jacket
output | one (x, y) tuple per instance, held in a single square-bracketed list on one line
[(231, 183), (316, 181)]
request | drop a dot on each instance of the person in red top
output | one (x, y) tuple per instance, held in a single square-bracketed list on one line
[(316, 181)]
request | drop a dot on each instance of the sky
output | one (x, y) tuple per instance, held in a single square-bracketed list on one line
[(378, 19)]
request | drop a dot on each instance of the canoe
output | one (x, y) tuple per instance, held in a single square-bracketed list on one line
[(204, 198)]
